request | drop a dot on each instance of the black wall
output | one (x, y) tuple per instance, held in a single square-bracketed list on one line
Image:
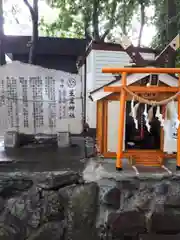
[(57, 62), (54, 53)]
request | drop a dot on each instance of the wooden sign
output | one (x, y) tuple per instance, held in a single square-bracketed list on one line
[(150, 96)]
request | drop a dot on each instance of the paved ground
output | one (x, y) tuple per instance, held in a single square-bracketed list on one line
[(96, 170), (43, 158), (47, 158)]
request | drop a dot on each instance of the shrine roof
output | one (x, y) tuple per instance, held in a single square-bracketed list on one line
[(99, 93), (46, 45), (107, 46)]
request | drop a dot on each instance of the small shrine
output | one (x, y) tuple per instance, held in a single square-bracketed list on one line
[(138, 114)]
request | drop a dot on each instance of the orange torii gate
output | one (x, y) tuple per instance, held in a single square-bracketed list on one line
[(140, 89)]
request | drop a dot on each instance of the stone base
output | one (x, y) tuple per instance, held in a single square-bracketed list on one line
[(63, 139), (118, 169), (178, 168), (11, 139)]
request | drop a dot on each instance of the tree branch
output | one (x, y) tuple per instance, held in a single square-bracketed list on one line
[(111, 21), (105, 34), (14, 14), (30, 8)]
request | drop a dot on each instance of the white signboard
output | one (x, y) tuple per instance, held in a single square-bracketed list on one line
[(37, 100), (170, 136)]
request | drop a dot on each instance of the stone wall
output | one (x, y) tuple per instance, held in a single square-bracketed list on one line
[(47, 206), (142, 206), (61, 205)]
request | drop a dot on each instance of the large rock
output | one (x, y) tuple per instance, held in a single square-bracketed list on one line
[(52, 230), (166, 208), (11, 227), (56, 181), (81, 211), (109, 193), (7, 233), (12, 186), (112, 198), (127, 223)]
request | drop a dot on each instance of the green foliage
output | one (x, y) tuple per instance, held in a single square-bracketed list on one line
[(167, 22), (167, 26), (68, 23), (160, 21), (97, 17), (58, 28)]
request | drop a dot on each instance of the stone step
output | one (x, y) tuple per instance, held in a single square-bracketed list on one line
[(150, 169), (147, 159), (148, 163)]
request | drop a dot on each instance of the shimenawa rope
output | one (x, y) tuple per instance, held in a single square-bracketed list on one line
[(151, 102)]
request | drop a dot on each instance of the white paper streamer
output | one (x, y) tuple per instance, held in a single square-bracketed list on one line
[(134, 112), (145, 113), (159, 116)]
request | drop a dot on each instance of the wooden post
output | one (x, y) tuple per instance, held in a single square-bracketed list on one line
[(121, 124), (178, 131)]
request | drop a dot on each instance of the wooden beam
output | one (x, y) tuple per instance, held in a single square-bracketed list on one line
[(138, 89), (141, 70), (132, 51), (170, 49)]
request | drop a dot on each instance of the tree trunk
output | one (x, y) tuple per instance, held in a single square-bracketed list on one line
[(124, 25), (95, 20), (34, 39), (142, 10), (87, 35), (111, 21), (172, 28), (2, 51)]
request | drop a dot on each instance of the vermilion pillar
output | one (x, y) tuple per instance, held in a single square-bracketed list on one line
[(178, 132), (121, 124)]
